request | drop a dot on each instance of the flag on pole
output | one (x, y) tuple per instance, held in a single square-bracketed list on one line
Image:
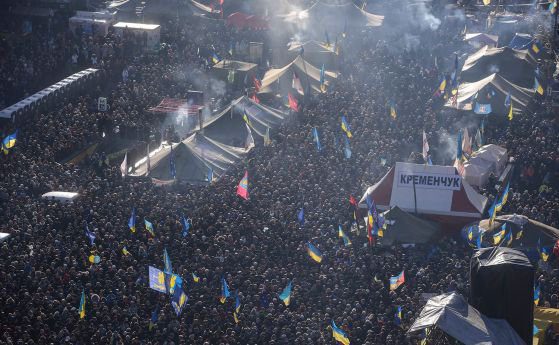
[(322, 79), (293, 103), (156, 279), (398, 316), (296, 84), (345, 127), (314, 253), (149, 227), (237, 308), (425, 147), (185, 226), (396, 281), (224, 290), (82, 305), (242, 188), (89, 234), (537, 87), (167, 262), (132, 221), (347, 241), (178, 300), (285, 295), (508, 104), (195, 278), (339, 335), (124, 165), (301, 216), (316, 139)]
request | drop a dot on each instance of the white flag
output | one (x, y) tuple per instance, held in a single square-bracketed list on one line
[(124, 165), (466, 143), (148, 165), (425, 146), (296, 84)]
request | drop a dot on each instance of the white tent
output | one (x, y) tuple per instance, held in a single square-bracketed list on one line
[(433, 190), (488, 159)]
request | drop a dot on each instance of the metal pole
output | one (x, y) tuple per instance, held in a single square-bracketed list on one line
[(414, 197)]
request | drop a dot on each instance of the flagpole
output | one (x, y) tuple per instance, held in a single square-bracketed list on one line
[(414, 197)]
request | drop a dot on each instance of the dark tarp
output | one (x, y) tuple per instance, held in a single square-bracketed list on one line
[(403, 227), (492, 90), (516, 66), (502, 286), (194, 156), (229, 127), (521, 41), (453, 315), (532, 230)]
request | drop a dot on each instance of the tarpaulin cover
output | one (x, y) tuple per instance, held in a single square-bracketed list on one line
[(317, 53), (193, 158), (276, 78), (482, 38), (521, 41), (517, 66), (406, 228), (502, 286), (493, 90), (228, 126), (532, 230), (453, 315), (488, 159)]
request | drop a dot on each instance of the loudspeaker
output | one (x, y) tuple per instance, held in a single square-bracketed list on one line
[(502, 287)]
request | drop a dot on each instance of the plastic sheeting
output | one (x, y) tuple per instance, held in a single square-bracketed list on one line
[(317, 53), (481, 39), (403, 227), (493, 90), (517, 66), (452, 314), (502, 286)]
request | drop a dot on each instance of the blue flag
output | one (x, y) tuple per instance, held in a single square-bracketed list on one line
[(157, 279), (482, 109), (316, 139), (172, 165), (89, 234), (301, 216), (347, 149), (167, 261)]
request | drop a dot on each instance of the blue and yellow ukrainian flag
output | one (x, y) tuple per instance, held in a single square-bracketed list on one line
[(479, 240), (149, 227), (215, 58), (125, 251), (132, 221), (551, 8), (536, 295), (247, 120), (398, 316), (393, 112), (345, 127), (285, 295), (237, 308), (195, 278), (185, 225), (492, 213), (503, 199), (519, 234), (498, 236), (508, 104), (341, 234), (178, 300), (224, 291), (537, 86), (314, 253), (82, 305), (9, 142), (396, 281), (339, 335)]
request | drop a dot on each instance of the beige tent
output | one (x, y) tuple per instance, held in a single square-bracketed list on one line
[(479, 39), (280, 79), (316, 53), (493, 90), (483, 162)]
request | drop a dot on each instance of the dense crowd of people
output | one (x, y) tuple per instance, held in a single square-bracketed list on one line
[(258, 246)]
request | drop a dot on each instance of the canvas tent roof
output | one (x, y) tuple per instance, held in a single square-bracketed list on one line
[(403, 227), (236, 65), (453, 315), (493, 90), (315, 52), (325, 15), (439, 190), (228, 126), (517, 66), (193, 158), (306, 72)]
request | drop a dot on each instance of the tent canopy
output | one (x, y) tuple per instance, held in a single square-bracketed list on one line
[(317, 53), (326, 16), (492, 90), (488, 159), (306, 72), (406, 228), (517, 66), (453, 315), (228, 126), (439, 190), (194, 156)]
